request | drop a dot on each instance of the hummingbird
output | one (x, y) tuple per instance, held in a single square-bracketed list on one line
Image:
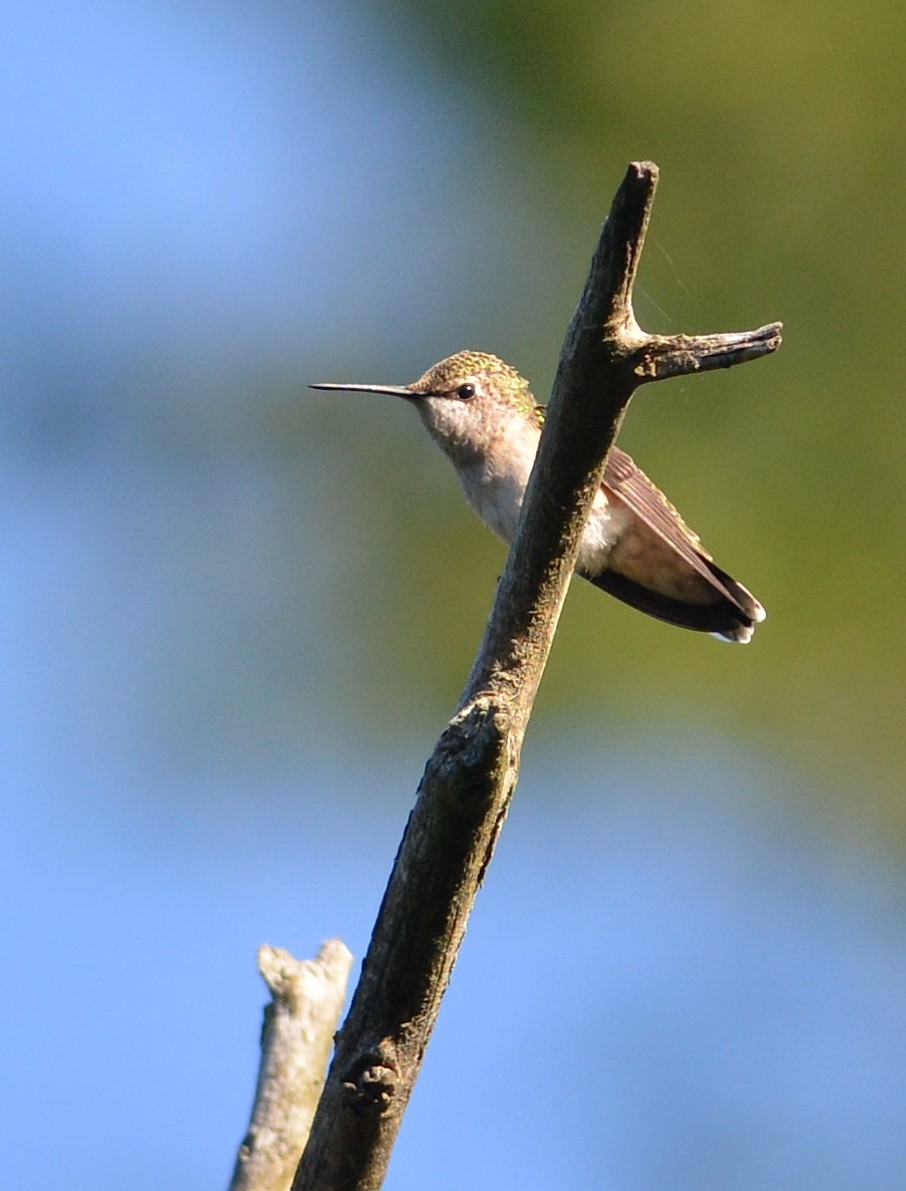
[(636, 546)]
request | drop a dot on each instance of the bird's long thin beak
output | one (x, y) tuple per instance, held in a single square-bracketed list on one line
[(393, 390)]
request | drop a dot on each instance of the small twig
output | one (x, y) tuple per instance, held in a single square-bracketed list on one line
[(677, 355), (296, 1041), (469, 780)]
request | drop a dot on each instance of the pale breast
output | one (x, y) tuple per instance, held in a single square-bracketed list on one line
[(496, 486)]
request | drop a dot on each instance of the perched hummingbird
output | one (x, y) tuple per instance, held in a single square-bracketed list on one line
[(482, 415)]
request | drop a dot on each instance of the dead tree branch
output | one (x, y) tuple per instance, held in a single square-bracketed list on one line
[(296, 1041), (469, 780)]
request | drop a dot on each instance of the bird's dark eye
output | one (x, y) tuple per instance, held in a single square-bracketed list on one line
[(465, 392)]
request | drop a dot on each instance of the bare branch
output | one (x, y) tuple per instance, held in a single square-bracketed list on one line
[(296, 1041), (469, 780), (678, 355)]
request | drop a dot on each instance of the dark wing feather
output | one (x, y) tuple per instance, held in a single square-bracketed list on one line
[(721, 617)]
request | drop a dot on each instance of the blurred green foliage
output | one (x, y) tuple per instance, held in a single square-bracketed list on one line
[(776, 130)]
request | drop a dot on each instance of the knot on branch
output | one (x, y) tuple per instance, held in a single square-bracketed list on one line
[(464, 768), (370, 1083)]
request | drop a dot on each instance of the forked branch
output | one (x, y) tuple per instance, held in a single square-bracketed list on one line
[(469, 780)]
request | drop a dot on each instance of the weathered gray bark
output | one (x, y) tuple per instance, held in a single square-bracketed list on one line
[(469, 780), (296, 1041)]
